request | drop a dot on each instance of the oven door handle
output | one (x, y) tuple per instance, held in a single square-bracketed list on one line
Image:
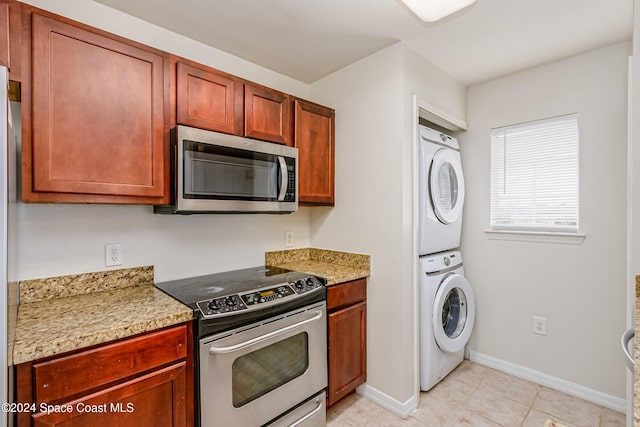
[(230, 349)]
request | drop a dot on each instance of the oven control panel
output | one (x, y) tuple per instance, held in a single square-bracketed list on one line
[(230, 304), (267, 295)]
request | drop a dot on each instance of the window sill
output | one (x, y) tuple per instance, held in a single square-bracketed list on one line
[(536, 236)]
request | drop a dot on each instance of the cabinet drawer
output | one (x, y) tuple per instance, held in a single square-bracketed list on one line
[(346, 293), (80, 372)]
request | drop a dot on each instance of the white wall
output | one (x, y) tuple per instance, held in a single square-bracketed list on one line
[(67, 239), (367, 216), (64, 239), (374, 210), (580, 289), (633, 235)]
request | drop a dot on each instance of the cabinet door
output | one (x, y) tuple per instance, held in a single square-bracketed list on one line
[(207, 99), (4, 34), (314, 138), (347, 351), (136, 403), (267, 114), (98, 113)]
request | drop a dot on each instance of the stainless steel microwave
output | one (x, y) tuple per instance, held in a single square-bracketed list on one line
[(215, 172)]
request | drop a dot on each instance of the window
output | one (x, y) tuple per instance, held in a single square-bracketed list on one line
[(534, 176)]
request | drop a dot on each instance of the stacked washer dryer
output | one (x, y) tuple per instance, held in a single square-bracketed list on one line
[(447, 305)]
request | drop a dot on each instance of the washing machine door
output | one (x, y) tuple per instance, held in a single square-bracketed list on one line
[(453, 313), (446, 185)]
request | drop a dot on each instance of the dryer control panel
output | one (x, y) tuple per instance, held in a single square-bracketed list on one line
[(442, 261)]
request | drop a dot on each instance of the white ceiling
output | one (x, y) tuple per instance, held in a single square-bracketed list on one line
[(309, 39)]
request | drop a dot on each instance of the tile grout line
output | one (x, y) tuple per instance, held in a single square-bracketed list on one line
[(530, 406)]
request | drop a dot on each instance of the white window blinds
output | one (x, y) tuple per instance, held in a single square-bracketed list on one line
[(534, 175)]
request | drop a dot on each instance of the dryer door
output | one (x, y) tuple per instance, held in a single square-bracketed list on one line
[(453, 313), (446, 185)]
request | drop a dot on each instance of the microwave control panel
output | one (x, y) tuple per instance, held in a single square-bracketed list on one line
[(290, 195), (230, 304)]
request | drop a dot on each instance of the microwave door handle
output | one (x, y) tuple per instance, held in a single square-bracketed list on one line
[(284, 177)]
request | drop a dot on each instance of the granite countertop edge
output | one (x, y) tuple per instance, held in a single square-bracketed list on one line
[(24, 354)]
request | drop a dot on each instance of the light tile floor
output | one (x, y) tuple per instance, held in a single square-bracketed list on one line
[(474, 395)]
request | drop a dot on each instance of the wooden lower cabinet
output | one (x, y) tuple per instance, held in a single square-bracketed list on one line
[(146, 380), (347, 331), (150, 400)]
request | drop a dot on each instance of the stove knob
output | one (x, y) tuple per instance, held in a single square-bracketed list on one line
[(229, 302), (299, 284), (309, 281), (214, 305)]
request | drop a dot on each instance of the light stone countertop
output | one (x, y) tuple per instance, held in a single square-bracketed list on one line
[(335, 266), (46, 327)]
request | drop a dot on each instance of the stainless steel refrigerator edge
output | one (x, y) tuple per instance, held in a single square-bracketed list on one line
[(8, 190)]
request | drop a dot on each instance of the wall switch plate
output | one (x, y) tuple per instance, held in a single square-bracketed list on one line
[(112, 254), (539, 325), (288, 239)]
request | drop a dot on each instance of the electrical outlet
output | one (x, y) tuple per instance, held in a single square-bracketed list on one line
[(539, 325), (288, 239), (112, 254)]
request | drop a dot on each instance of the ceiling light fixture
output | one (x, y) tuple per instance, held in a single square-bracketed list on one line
[(434, 10)]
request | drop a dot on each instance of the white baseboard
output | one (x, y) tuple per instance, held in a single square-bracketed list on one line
[(401, 409), (577, 390)]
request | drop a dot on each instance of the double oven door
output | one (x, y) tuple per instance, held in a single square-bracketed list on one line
[(268, 373)]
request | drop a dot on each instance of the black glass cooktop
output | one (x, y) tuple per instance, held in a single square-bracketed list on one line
[(191, 290)]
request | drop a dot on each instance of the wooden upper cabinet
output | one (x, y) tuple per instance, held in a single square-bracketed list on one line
[(4, 34), (10, 37), (314, 137), (98, 117), (267, 114), (208, 99)]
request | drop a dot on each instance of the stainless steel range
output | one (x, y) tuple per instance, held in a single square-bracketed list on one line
[(262, 353)]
